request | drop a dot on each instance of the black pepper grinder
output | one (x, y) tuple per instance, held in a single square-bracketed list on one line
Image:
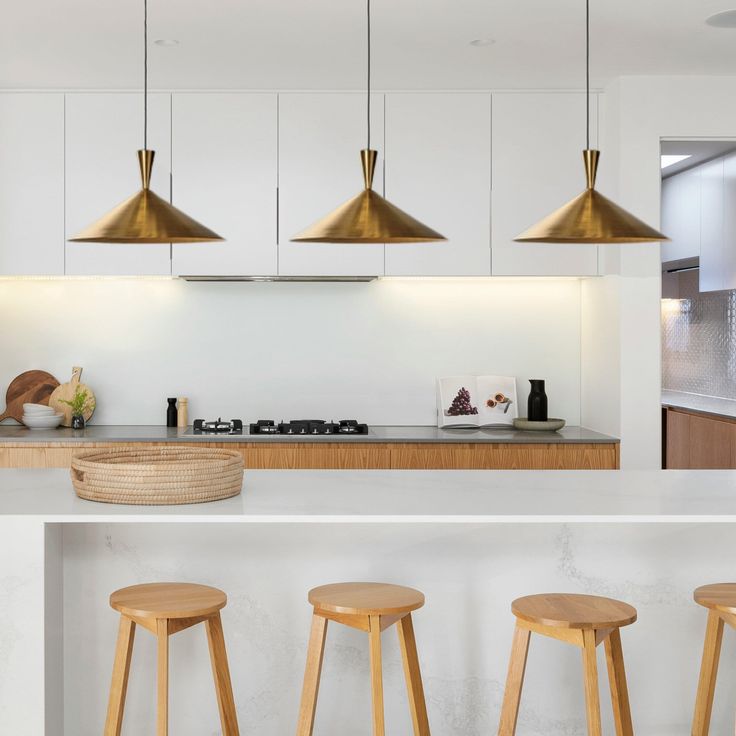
[(172, 415), (537, 402)]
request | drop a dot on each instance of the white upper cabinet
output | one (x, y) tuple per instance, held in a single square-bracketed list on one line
[(31, 184), (320, 138), (681, 215), (712, 231), (538, 140), (729, 222), (438, 169), (224, 169), (103, 133)]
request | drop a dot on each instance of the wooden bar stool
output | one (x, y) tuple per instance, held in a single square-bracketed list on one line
[(583, 620), (720, 600), (370, 607), (165, 609)]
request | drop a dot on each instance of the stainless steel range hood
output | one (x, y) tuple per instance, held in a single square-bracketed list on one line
[(292, 279)]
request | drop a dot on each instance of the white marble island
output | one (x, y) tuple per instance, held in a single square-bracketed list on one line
[(471, 540), (448, 496)]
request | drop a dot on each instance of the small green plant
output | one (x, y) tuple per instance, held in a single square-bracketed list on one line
[(80, 403)]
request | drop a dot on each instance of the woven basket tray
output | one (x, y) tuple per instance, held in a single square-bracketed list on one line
[(157, 476)]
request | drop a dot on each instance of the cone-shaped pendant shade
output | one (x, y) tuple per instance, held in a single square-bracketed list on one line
[(145, 218), (590, 218), (368, 218)]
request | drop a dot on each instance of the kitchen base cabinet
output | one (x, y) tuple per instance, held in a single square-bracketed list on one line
[(363, 456), (505, 457), (695, 441)]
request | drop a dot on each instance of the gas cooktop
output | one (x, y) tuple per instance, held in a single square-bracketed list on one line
[(308, 426), (234, 426)]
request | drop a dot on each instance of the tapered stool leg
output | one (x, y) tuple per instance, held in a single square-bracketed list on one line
[(376, 676), (221, 675), (120, 672), (413, 676), (590, 676), (310, 689), (617, 683), (162, 712), (514, 682), (708, 674)]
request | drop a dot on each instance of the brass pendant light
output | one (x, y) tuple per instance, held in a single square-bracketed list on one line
[(590, 217), (368, 217), (145, 217)]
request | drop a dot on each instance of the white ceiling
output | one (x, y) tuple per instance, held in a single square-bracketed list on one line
[(310, 44)]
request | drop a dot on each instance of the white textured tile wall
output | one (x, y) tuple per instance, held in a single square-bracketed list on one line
[(699, 340)]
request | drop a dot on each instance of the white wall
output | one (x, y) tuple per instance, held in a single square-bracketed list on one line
[(370, 351), (600, 397), (639, 113), (469, 574)]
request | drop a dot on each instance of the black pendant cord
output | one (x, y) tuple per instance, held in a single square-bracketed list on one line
[(145, 74), (368, 4), (587, 74)]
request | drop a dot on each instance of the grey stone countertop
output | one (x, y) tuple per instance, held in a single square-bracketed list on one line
[(701, 404), (15, 433)]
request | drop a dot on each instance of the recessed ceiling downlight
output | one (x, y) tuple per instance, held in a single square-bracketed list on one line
[(726, 19), (166, 42), (483, 42)]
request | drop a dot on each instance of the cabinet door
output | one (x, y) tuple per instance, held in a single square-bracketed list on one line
[(103, 133), (537, 167), (224, 170), (678, 440), (711, 226), (710, 443), (729, 223), (681, 215), (438, 169), (320, 137), (31, 184)]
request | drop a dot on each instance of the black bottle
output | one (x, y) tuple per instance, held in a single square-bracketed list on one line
[(537, 403), (172, 415)]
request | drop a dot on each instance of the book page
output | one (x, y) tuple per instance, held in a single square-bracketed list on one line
[(497, 400), (457, 403)]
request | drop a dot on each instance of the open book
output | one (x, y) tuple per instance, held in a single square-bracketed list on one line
[(476, 401)]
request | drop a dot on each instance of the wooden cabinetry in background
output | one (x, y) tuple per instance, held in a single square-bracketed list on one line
[(360, 456), (696, 441)]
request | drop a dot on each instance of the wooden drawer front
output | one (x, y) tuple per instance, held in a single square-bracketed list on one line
[(505, 457), (315, 457), (339, 456)]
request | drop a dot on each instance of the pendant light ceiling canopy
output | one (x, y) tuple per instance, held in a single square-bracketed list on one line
[(145, 217), (590, 217), (368, 217)]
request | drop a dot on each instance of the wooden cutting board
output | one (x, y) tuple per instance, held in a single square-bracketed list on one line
[(31, 387), (66, 391)]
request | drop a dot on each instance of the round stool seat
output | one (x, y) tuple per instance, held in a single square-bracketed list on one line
[(366, 599), (168, 600), (719, 597), (573, 611)]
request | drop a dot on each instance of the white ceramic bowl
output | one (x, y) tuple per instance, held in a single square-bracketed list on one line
[(37, 409), (42, 422)]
